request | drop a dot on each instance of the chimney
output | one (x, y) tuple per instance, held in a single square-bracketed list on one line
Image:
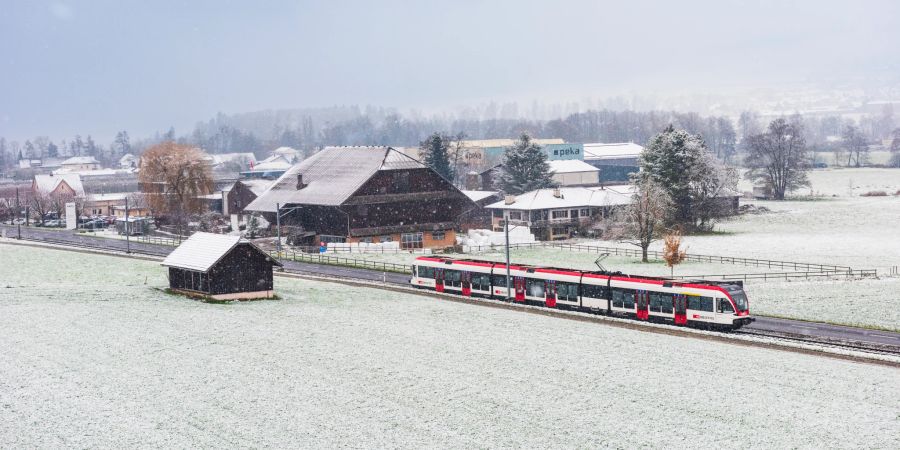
[(557, 193), (509, 199), (300, 183)]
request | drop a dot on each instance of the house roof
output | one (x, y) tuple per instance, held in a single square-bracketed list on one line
[(479, 195), (570, 166), (80, 160), (278, 163), (257, 186), (570, 197), (331, 176), (202, 251), (49, 183), (612, 151)]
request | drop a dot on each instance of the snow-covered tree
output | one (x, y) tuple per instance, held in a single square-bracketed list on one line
[(854, 141), (435, 152), (680, 164), (525, 168)]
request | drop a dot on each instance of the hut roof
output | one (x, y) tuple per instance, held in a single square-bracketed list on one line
[(202, 251)]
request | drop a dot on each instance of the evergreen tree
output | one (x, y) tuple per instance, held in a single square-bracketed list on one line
[(435, 152), (52, 150), (680, 163), (90, 147), (525, 168), (29, 149)]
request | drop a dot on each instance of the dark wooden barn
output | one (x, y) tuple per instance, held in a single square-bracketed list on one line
[(220, 266)]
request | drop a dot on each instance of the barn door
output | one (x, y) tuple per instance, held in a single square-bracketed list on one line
[(519, 284), (466, 278), (643, 305), (550, 292), (439, 280), (680, 309)]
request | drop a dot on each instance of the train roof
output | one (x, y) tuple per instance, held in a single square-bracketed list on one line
[(604, 274)]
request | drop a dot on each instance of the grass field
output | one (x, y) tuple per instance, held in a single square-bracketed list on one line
[(95, 355)]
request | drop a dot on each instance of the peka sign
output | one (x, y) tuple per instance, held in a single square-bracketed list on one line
[(564, 151)]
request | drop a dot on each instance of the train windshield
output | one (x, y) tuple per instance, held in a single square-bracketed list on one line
[(739, 297)]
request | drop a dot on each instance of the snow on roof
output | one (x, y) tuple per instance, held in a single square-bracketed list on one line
[(257, 186), (112, 196), (331, 176), (290, 151), (227, 157), (278, 164), (570, 197), (610, 151), (506, 142), (93, 173), (570, 166), (80, 160), (202, 251), (479, 195), (49, 183)]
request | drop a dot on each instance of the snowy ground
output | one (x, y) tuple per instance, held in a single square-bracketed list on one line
[(96, 357)]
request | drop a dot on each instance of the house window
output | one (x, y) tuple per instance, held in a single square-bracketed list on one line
[(573, 213), (585, 212), (515, 215), (438, 235), (367, 240), (560, 214), (497, 213), (385, 238), (411, 240)]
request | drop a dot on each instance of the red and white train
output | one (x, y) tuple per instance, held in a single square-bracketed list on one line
[(706, 304)]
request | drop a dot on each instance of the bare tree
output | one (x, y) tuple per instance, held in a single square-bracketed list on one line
[(856, 145), (41, 203), (646, 215), (172, 177), (778, 158)]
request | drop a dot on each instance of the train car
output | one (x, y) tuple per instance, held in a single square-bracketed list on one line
[(684, 303)]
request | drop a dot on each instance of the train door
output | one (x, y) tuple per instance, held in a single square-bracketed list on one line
[(519, 285), (680, 309), (439, 280), (550, 293), (643, 305), (466, 280)]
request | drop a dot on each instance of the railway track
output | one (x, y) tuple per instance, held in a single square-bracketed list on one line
[(398, 282)]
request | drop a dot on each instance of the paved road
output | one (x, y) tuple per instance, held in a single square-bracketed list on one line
[(809, 329)]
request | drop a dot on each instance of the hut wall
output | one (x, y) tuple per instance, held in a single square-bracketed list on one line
[(244, 269)]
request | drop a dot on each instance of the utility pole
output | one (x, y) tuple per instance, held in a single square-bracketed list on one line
[(127, 231), (506, 233), (18, 213), (278, 227)]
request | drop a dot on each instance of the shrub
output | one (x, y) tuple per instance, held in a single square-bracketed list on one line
[(875, 194)]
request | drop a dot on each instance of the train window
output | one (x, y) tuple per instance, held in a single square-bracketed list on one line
[(481, 281), (534, 288), (594, 291), (660, 302), (426, 272), (452, 278), (628, 299), (500, 281), (567, 292), (706, 303), (725, 306)]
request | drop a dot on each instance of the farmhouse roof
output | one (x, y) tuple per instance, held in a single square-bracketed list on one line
[(202, 251), (331, 176), (479, 195)]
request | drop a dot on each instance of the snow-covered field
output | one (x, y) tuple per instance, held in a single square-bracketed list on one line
[(96, 356)]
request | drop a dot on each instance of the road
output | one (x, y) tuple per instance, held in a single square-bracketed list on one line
[(763, 324)]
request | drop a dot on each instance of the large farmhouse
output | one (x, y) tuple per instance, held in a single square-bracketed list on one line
[(365, 194)]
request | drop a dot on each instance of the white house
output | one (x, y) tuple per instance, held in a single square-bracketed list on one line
[(79, 164), (558, 213)]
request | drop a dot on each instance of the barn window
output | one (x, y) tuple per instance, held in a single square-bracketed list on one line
[(385, 238), (410, 240)]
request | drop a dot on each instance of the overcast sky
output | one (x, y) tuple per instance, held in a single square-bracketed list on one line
[(94, 67)]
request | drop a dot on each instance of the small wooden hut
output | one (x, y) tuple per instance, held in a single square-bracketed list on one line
[(220, 266)]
